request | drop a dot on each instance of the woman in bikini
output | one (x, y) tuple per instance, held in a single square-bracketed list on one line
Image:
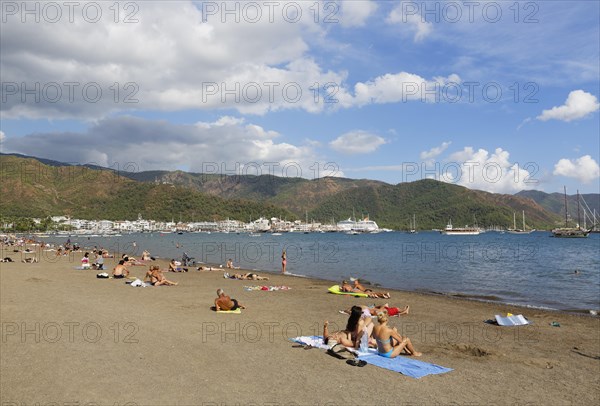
[(358, 288), (350, 336), (283, 261), (390, 344)]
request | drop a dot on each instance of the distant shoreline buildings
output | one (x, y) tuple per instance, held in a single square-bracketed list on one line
[(67, 225)]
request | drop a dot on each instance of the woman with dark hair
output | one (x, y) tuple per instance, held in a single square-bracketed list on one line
[(357, 325)]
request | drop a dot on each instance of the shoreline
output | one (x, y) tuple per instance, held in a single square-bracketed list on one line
[(450, 295), (169, 335)]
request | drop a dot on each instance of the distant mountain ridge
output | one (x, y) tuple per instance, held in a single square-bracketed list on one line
[(555, 202), (30, 188), (175, 194)]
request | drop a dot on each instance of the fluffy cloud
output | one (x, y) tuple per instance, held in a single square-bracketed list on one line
[(491, 172), (398, 87), (355, 13), (584, 169), (357, 142), (413, 22), (184, 57), (172, 58), (434, 152), (228, 145), (578, 105), (2, 136)]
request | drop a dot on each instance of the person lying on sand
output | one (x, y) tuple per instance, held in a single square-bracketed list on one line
[(247, 276), (373, 310), (358, 288), (157, 278), (206, 268), (224, 302), (120, 270), (390, 344), (30, 260), (337, 337), (174, 266)]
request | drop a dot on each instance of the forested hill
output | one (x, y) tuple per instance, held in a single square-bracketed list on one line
[(33, 188)]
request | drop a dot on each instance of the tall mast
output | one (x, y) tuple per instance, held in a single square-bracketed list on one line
[(578, 216), (523, 220), (566, 209)]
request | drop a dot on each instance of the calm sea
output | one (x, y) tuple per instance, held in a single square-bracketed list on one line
[(532, 270)]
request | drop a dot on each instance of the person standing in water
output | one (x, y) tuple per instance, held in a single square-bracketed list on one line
[(283, 261)]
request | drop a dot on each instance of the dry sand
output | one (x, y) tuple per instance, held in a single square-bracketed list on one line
[(70, 338)]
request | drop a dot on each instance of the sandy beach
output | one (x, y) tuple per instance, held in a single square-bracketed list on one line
[(70, 338)]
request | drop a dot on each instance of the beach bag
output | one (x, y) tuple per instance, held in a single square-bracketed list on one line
[(102, 275)]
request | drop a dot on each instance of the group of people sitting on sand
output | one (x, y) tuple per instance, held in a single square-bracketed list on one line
[(156, 277), (358, 288), (387, 340), (154, 273)]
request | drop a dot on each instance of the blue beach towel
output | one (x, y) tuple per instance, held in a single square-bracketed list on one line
[(405, 365)]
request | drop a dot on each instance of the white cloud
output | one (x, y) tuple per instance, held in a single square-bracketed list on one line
[(398, 87), (484, 171), (354, 13), (412, 20), (227, 145), (584, 169), (357, 142), (2, 136), (578, 105), (194, 63), (435, 151)]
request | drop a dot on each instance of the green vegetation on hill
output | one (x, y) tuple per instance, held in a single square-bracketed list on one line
[(433, 203), (555, 203), (31, 188)]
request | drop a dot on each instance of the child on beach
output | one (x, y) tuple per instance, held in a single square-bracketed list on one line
[(85, 261)]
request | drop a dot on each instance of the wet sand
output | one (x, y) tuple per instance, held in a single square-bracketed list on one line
[(70, 338)]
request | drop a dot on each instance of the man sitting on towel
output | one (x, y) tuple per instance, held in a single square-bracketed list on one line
[(120, 271), (225, 303)]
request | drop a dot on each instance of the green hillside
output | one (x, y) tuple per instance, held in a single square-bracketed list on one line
[(30, 188), (433, 204), (555, 203)]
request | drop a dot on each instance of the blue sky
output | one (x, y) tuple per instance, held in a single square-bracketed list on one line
[(492, 95)]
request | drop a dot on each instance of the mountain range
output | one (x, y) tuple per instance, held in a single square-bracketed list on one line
[(33, 187)]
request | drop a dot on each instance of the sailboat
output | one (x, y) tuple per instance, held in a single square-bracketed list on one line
[(413, 226), (570, 232), (515, 230)]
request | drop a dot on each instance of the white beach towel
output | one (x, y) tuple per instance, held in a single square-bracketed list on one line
[(136, 283), (517, 320)]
